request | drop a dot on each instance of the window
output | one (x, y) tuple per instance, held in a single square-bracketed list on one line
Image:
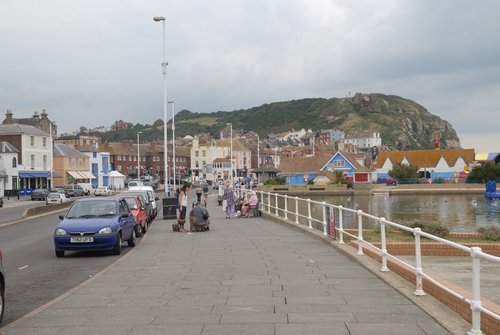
[(45, 162), (339, 163), (196, 154), (203, 153), (32, 141), (119, 168), (44, 142), (32, 162), (94, 154), (14, 162)]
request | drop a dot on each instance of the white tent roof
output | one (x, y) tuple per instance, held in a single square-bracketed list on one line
[(115, 173)]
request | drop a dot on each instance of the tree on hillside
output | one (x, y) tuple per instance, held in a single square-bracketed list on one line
[(404, 172)]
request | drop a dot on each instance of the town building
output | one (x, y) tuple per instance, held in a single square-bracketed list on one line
[(72, 165), (35, 160), (442, 164), (9, 156), (363, 140), (40, 121)]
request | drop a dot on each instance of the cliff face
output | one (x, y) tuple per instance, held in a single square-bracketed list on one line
[(403, 124)]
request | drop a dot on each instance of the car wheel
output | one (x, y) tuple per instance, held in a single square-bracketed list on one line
[(59, 253), (2, 302), (117, 250), (145, 228), (133, 239), (138, 230)]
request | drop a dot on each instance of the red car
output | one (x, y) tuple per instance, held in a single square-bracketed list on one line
[(138, 209)]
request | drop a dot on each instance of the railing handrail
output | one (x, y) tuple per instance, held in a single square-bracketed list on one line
[(475, 252)]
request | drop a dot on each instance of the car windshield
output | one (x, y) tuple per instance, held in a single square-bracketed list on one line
[(92, 208), (54, 196), (68, 187)]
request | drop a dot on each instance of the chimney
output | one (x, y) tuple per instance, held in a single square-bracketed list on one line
[(8, 117)]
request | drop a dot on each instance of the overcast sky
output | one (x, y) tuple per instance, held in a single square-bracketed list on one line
[(89, 63)]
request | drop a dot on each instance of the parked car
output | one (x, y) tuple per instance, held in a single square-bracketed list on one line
[(1, 202), (145, 200), (138, 209), (87, 188), (102, 190), (95, 224), (73, 190), (151, 196), (56, 198), (391, 181), (39, 194), (2, 289)]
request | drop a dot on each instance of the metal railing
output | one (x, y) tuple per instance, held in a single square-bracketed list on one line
[(323, 217)]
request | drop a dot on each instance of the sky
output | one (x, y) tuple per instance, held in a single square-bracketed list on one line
[(89, 63)]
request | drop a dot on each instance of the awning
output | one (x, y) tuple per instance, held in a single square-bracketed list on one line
[(34, 174), (75, 174), (87, 175)]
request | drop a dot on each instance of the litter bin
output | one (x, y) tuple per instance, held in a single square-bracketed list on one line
[(169, 210)]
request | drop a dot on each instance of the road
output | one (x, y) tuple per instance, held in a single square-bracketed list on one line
[(34, 275), (13, 212)]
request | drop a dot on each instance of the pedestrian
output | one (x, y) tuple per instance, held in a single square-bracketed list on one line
[(205, 194), (230, 197), (167, 191), (198, 193), (183, 201), (199, 218)]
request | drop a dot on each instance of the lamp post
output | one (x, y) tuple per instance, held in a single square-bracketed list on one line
[(173, 139), (258, 151), (138, 157), (231, 155), (164, 72)]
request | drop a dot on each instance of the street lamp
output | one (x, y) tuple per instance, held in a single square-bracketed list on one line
[(164, 72), (138, 157), (231, 155), (173, 139)]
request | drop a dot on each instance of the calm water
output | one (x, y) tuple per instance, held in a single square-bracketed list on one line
[(460, 213)]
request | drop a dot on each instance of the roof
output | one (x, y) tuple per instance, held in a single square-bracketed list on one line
[(63, 150), (487, 156), (18, 129), (424, 158), (302, 164), (7, 148)]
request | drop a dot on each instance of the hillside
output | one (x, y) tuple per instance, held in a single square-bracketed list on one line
[(402, 123)]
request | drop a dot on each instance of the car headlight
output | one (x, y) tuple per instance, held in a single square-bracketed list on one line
[(106, 230), (60, 232)]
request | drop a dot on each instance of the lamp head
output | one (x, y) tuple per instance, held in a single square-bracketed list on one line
[(159, 18)]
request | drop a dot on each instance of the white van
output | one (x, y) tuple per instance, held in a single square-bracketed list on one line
[(87, 188), (151, 196), (135, 183)]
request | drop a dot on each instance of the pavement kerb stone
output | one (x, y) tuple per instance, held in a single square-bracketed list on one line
[(433, 307)]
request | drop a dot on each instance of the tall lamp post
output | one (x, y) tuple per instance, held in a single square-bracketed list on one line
[(231, 155), (173, 139), (138, 157), (164, 72)]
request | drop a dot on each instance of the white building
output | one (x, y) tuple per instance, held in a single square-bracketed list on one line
[(99, 166), (363, 140), (35, 162), (203, 157)]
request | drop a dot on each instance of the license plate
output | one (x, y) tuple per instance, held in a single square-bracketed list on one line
[(82, 239)]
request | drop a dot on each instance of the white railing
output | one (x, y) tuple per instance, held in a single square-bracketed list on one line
[(321, 216)]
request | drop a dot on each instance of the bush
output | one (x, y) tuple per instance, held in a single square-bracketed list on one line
[(310, 182), (491, 233), (276, 181), (439, 180), (435, 229)]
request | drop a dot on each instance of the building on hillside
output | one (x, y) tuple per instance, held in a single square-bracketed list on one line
[(72, 165), (329, 136), (433, 164), (293, 136), (9, 156), (40, 121), (363, 140), (35, 161)]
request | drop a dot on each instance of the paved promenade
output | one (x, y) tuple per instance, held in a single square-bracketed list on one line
[(244, 276)]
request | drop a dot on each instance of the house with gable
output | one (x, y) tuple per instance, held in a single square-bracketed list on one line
[(432, 164), (299, 170)]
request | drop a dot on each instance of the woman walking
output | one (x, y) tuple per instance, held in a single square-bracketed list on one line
[(230, 202)]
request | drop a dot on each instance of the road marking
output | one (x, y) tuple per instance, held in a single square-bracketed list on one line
[(23, 267)]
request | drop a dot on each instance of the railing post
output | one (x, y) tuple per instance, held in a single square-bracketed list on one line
[(309, 213), (297, 210), (269, 202), (276, 203), (341, 226), (418, 263), (262, 200), (360, 233), (325, 233), (475, 302), (286, 207), (383, 246)]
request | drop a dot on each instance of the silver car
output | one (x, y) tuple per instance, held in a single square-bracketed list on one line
[(2, 289)]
